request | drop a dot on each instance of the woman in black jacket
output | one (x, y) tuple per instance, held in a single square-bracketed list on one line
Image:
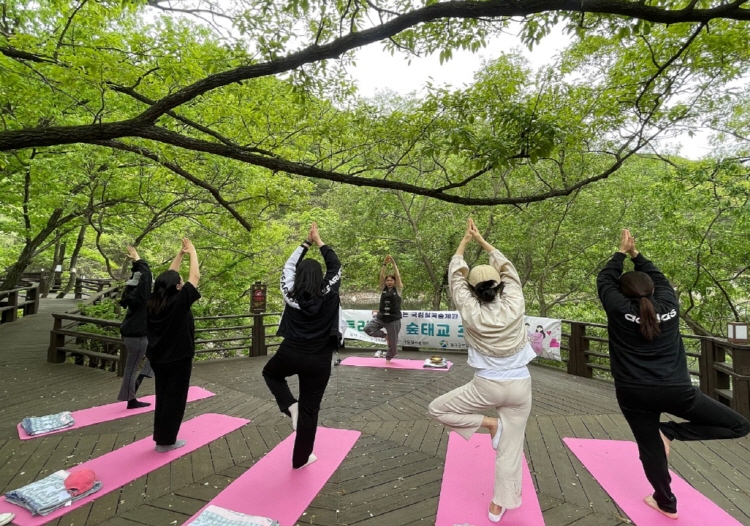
[(312, 331), (133, 329), (649, 367), (171, 345)]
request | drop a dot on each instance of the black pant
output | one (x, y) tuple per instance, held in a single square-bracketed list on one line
[(313, 371), (171, 383), (706, 418)]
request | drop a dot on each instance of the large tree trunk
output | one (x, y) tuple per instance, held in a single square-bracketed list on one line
[(16, 270), (73, 262), (57, 261)]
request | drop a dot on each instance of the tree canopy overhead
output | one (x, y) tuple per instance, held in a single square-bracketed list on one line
[(167, 79)]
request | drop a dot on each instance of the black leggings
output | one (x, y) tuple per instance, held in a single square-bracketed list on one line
[(313, 371), (171, 383), (706, 418)]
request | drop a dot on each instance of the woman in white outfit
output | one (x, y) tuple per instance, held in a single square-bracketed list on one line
[(490, 301)]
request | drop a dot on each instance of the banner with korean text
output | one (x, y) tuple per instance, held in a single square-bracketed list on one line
[(444, 330)]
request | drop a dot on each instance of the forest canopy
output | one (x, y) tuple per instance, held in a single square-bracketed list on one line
[(237, 123)]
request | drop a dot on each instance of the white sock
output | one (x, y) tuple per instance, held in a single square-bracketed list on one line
[(312, 458), (496, 438), (294, 411)]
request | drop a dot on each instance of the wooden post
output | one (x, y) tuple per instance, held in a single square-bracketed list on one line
[(741, 396), (741, 359), (706, 366), (56, 340), (79, 289), (258, 347), (12, 313), (578, 345), (32, 295), (123, 360)]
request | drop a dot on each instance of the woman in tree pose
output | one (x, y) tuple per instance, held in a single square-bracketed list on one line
[(387, 323), (171, 345), (650, 370), (133, 329), (312, 331), (490, 301)]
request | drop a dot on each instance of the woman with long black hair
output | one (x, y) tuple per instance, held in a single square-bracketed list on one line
[(490, 300), (650, 370), (171, 345), (311, 327)]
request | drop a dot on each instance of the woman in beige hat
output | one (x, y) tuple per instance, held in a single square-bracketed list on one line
[(490, 302)]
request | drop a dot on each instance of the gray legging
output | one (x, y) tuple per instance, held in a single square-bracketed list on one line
[(380, 329), (136, 354)]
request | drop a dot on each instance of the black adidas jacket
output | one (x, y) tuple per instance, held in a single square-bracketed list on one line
[(634, 359)]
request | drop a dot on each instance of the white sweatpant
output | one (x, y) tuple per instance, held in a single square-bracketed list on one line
[(459, 410)]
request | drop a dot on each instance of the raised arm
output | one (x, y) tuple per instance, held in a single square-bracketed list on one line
[(194, 275), (479, 239), (468, 236), (177, 261), (332, 278), (142, 291), (399, 283), (608, 280), (289, 273), (663, 290), (381, 279)]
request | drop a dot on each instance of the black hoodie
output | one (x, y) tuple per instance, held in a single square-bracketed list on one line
[(315, 318), (634, 359), (134, 298)]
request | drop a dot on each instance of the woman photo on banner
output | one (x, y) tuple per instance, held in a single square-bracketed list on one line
[(490, 300), (650, 369), (387, 323)]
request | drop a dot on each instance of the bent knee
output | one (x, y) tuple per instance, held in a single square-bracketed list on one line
[(743, 429)]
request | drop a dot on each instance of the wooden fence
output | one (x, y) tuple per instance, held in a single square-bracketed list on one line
[(97, 343), (92, 286), (720, 368), (23, 300)]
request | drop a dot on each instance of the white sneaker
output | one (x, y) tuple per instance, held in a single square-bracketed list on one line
[(378, 354), (5, 518)]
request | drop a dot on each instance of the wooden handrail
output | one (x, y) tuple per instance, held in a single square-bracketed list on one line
[(28, 306)]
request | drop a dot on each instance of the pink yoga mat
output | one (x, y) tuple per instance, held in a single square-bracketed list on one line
[(468, 482), (396, 363), (627, 485), (105, 413), (126, 464), (271, 488)]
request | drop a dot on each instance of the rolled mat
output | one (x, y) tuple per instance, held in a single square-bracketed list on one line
[(616, 467), (396, 363), (119, 467), (271, 488), (468, 484), (105, 413)]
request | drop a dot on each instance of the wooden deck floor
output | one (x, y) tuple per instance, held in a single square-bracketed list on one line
[(391, 477)]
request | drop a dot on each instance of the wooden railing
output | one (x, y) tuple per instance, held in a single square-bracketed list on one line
[(720, 368), (22, 299), (97, 343), (91, 286), (218, 335), (73, 335)]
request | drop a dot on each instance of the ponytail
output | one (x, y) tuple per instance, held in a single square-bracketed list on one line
[(640, 285), (487, 291), (649, 321)]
